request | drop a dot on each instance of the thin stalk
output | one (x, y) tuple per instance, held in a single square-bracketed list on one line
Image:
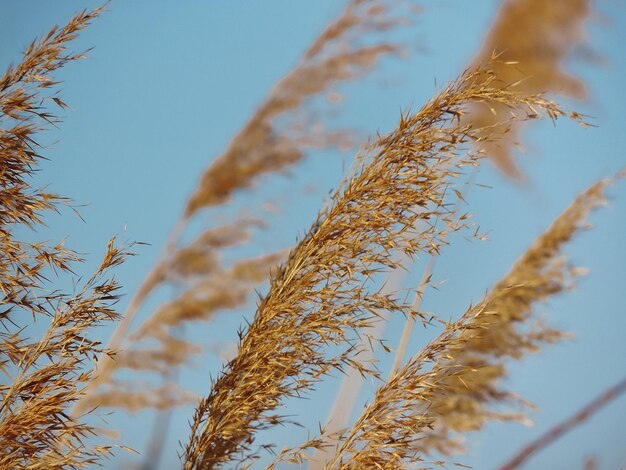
[(104, 367), (410, 321), (352, 382), (565, 426), (417, 300), (162, 421)]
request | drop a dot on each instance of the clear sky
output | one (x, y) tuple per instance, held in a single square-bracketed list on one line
[(168, 84)]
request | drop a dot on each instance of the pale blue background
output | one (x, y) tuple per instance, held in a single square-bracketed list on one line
[(169, 83)]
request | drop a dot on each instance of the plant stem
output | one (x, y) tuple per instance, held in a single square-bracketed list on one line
[(560, 429)]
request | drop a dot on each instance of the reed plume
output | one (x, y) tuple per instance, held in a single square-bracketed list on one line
[(449, 388), (321, 296), (44, 376)]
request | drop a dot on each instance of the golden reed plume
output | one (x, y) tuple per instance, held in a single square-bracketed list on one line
[(44, 377)]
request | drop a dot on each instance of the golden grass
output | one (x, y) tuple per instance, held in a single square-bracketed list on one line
[(320, 295), (324, 299), (45, 376)]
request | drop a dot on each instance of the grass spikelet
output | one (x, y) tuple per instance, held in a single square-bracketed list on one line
[(536, 37), (449, 386), (322, 295)]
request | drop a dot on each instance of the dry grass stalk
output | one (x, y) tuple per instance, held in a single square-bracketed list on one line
[(320, 297), (567, 425), (352, 382), (272, 140), (539, 71), (539, 36), (447, 388), (563, 27), (538, 26), (417, 300), (45, 376)]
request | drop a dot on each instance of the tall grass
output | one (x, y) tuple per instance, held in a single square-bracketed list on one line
[(322, 293), (43, 377), (327, 294)]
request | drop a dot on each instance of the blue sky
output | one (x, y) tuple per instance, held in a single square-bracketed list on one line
[(168, 84)]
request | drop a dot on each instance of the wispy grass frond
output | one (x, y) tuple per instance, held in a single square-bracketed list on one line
[(162, 397), (225, 289), (220, 289), (323, 296), (449, 388), (264, 145)]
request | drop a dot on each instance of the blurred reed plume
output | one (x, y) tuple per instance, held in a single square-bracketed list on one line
[(42, 378), (328, 294), (276, 137), (263, 145), (538, 36)]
